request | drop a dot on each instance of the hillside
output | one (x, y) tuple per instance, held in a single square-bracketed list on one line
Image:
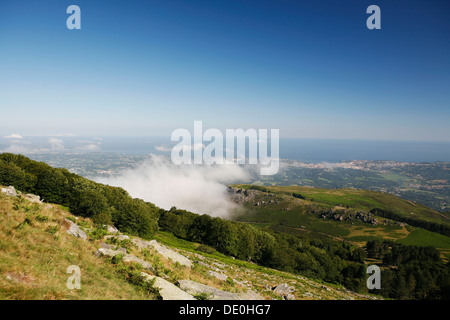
[(406, 240), (358, 199), (356, 216), (39, 241)]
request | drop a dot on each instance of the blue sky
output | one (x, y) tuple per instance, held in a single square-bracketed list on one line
[(309, 68)]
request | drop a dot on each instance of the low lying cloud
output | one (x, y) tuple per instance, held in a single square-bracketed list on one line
[(181, 148), (16, 143), (14, 136), (197, 188), (89, 147), (56, 144)]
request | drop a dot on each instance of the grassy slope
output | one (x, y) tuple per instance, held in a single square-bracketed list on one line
[(363, 200), (34, 257), (355, 231), (33, 261)]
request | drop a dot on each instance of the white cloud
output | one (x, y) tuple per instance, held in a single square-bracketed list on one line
[(89, 147), (163, 149), (14, 136), (56, 144), (16, 148), (181, 147), (201, 189)]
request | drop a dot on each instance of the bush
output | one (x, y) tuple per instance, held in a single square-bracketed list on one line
[(206, 249)]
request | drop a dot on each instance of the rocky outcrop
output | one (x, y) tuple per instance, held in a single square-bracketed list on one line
[(167, 290), (164, 251), (253, 197), (195, 288), (242, 196), (75, 230), (348, 215)]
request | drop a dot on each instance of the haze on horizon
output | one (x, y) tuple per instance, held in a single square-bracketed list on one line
[(312, 70)]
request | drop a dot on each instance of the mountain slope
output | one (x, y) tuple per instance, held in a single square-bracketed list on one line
[(344, 214), (357, 199), (36, 251)]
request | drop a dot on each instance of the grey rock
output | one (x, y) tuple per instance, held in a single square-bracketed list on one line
[(119, 237), (10, 191), (195, 288), (112, 229), (131, 258), (112, 247), (164, 251), (251, 295), (75, 230), (108, 252), (289, 297), (126, 257), (217, 275), (282, 289), (167, 290), (32, 198)]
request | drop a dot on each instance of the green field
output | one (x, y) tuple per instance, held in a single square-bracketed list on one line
[(421, 237)]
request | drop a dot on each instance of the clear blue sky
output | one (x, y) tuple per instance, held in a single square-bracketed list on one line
[(309, 68)]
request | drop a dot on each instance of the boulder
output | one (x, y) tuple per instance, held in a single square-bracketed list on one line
[(219, 276), (251, 295), (282, 289), (112, 247), (126, 257), (163, 250), (75, 230), (167, 290), (195, 288), (107, 252), (32, 198), (112, 229), (289, 297), (119, 237), (144, 264), (10, 191)]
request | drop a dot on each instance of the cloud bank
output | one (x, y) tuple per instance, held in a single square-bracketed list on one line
[(200, 189), (16, 143)]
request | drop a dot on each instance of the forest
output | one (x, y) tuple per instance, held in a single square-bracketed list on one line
[(411, 272)]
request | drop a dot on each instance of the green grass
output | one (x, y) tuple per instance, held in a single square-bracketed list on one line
[(422, 237), (34, 259), (357, 199), (357, 232)]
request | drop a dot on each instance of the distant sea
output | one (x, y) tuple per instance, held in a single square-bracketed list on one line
[(315, 150), (308, 150), (337, 150)]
